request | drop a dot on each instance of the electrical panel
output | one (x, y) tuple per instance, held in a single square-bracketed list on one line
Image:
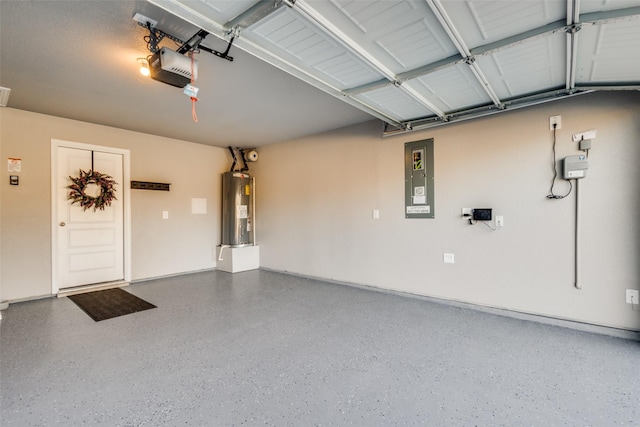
[(419, 185)]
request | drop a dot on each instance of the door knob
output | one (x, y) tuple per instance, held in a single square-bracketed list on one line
[(62, 224)]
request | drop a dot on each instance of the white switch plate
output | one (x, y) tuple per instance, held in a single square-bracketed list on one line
[(376, 214), (632, 296), (448, 258), (165, 214), (499, 221)]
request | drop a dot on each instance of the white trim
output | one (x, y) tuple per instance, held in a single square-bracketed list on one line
[(91, 288), (126, 186)]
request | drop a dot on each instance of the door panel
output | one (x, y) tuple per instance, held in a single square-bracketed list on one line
[(90, 243)]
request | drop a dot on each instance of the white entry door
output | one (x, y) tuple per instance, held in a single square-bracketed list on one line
[(90, 244)]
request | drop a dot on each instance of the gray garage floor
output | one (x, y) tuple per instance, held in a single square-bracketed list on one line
[(262, 348)]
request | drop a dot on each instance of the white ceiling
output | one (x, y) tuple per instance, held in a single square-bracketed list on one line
[(411, 63), (77, 59)]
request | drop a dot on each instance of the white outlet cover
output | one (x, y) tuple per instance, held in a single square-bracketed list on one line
[(448, 258)]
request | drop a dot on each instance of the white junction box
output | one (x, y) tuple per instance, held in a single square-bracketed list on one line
[(234, 260), (575, 167)]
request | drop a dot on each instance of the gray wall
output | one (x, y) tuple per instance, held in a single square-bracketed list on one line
[(182, 243), (315, 198)]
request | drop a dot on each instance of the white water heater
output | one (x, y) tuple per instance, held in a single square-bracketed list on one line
[(237, 209)]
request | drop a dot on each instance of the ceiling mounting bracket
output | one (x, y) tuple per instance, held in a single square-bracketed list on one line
[(155, 36), (225, 54), (232, 33), (255, 13), (574, 28), (194, 43)]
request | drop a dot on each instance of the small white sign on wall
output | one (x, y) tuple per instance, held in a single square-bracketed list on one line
[(14, 165), (198, 206)]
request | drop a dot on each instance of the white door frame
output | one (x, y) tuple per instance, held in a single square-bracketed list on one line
[(126, 200)]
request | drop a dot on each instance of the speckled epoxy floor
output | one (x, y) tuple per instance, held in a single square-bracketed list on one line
[(262, 348)]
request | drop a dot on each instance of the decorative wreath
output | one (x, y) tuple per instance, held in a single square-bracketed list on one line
[(105, 184)]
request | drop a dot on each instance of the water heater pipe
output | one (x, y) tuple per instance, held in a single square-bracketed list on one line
[(253, 208), (245, 167), (221, 250), (578, 285), (233, 156)]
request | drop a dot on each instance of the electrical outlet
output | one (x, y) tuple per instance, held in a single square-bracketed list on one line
[(466, 212), (448, 258), (555, 120), (165, 214), (633, 296), (499, 221)]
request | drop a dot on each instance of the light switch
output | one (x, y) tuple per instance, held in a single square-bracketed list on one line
[(165, 214)]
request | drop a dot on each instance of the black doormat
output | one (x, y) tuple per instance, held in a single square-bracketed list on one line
[(109, 303)]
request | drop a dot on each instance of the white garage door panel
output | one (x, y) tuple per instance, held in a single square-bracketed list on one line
[(408, 60)]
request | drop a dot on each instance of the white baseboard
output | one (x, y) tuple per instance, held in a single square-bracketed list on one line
[(166, 276), (90, 288)]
